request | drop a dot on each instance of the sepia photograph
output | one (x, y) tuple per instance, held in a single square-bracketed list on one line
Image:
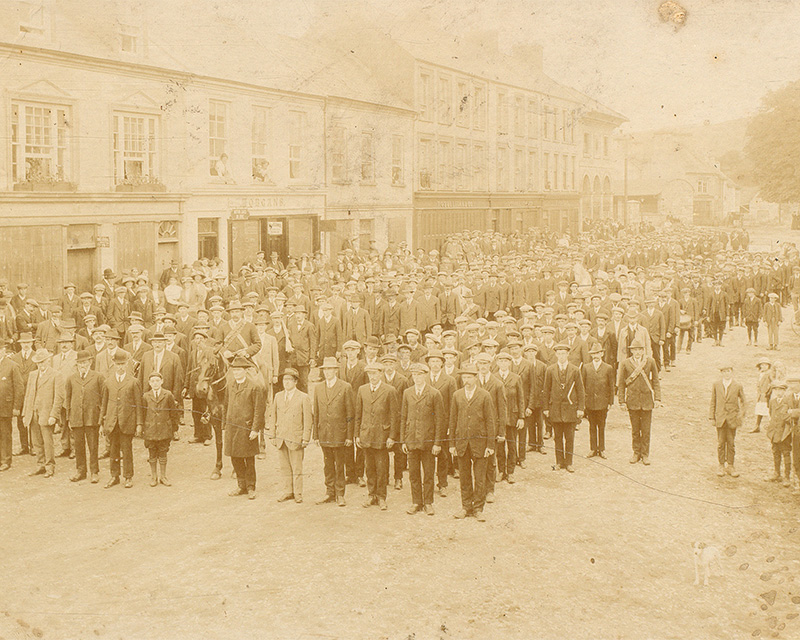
[(412, 320)]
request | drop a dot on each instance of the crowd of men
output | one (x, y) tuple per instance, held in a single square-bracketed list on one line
[(444, 364)]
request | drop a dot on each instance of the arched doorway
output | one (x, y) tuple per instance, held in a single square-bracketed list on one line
[(586, 198), (607, 198), (596, 198)]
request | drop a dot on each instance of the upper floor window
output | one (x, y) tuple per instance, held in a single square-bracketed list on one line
[(367, 158), (338, 154), (519, 116), (532, 182), (425, 163), (702, 185), (425, 96), (605, 146), (135, 152), (260, 144), (40, 142), (129, 38), (444, 174), (519, 170), (479, 107), (502, 168), (461, 164), (533, 118), (217, 137), (502, 112), (587, 145), (479, 167), (398, 172), (445, 100), (297, 121), (35, 17), (462, 103)]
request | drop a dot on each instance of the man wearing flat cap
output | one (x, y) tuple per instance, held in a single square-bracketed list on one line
[(422, 431), (564, 402), (726, 413), (639, 391), (377, 429), (472, 436)]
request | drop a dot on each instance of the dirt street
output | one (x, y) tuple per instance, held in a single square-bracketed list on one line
[(603, 553)]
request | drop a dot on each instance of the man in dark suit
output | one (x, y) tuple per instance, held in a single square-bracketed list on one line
[(717, 312), (245, 415), (726, 413), (598, 383), (12, 395), (563, 404), (356, 322), (166, 363), (446, 386), (83, 394), (472, 435), (334, 426), (422, 431), (121, 416), (533, 415), (118, 309), (24, 359), (487, 380), (516, 404), (449, 305), (377, 429), (304, 346), (329, 334), (639, 391)]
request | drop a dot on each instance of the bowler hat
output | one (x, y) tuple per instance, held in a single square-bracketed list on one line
[(41, 355), (329, 363)]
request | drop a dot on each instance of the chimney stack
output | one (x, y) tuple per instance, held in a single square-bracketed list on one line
[(530, 56)]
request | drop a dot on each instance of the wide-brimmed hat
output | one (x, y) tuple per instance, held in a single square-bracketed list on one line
[(468, 369), (637, 344), (763, 360), (84, 355), (329, 363), (41, 355)]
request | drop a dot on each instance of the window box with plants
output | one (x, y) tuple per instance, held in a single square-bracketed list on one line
[(36, 180), (140, 184)]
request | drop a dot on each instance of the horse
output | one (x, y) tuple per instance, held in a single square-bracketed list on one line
[(210, 384)]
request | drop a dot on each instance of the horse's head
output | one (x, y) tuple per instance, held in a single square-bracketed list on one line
[(207, 366)]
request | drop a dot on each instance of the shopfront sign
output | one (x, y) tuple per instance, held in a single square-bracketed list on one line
[(275, 227)]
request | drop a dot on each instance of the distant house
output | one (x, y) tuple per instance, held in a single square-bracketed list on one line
[(666, 176)]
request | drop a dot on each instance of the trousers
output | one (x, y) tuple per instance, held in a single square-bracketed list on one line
[(640, 430), (421, 464), (86, 437), (5, 441), (597, 428), (564, 434), (245, 469), (725, 447), (334, 462), (121, 447), (507, 451), (472, 477), (43, 444), (376, 466), (291, 466)]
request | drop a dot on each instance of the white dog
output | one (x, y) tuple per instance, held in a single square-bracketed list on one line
[(704, 558)]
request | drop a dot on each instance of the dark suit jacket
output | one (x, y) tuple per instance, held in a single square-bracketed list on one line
[(563, 393), (642, 392), (334, 414), (497, 393), (598, 386), (422, 423), (516, 402), (82, 399), (161, 417), (727, 407), (472, 423), (12, 388), (171, 371), (122, 404), (377, 415), (329, 338), (357, 325)]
